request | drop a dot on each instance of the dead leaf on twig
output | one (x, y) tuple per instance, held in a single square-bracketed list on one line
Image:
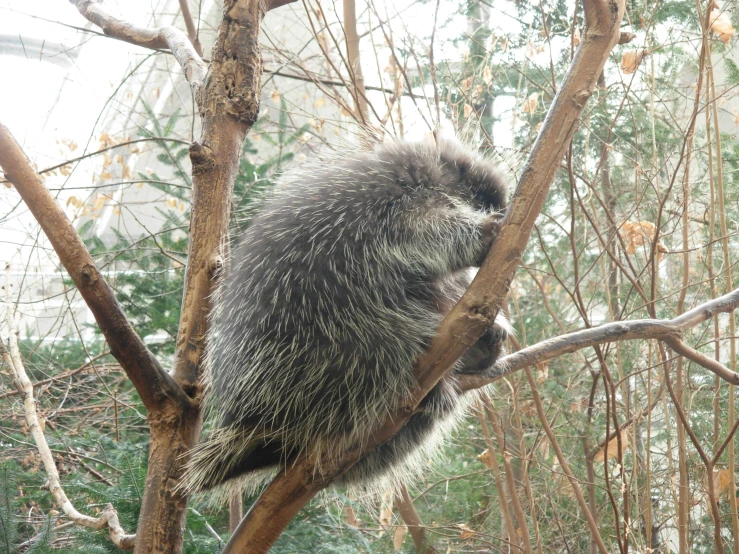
[(612, 450), (631, 59), (721, 23)]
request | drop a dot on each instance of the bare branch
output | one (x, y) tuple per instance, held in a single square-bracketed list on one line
[(12, 358), (152, 382), (162, 37), (412, 520), (669, 330)]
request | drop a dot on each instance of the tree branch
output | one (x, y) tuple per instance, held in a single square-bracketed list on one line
[(162, 37), (12, 358), (293, 488), (152, 382), (668, 330)]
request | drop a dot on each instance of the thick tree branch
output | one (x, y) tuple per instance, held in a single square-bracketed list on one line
[(12, 358), (152, 382), (291, 489), (668, 330), (162, 37), (229, 105)]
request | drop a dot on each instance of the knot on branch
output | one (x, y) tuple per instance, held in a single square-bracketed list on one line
[(245, 110), (202, 158), (580, 98), (625, 38), (215, 266), (89, 274)]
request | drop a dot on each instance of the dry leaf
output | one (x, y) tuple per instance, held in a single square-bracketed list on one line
[(530, 104), (467, 111), (721, 23), (350, 516), (99, 202), (171, 202), (275, 96), (399, 537), (105, 140), (576, 37), (487, 75), (386, 508), (486, 458), (542, 372), (464, 531), (736, 116), (631, 59), (320, 102), (600, 456), (76, 202), (637, 233), (721, 481)]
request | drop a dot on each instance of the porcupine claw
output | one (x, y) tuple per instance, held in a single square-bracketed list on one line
[(490, 229)]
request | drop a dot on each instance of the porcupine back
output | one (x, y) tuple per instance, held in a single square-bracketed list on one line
[(331, 297)]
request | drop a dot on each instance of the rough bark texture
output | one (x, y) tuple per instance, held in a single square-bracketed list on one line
[(228, 102), (292, 489)]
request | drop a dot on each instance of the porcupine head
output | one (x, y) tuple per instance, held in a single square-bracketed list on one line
[(334, 290)]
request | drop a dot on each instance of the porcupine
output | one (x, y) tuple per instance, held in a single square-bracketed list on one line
[(335, 289)]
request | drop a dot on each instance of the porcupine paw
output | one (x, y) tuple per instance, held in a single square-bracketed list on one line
[(490, 229)]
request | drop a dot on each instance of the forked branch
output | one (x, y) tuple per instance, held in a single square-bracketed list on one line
[(12, 358), (152, 382), (668, 330), (167, 37)]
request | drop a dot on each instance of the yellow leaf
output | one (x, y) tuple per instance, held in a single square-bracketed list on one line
[(486, 458), (487, 75), (631, 59), (600, 456), (467, 111), (350, 516), (721, 23), (99, 202), (76, 202), (275, 96), (171, 202), (530, 104), (637, 233), (105, 140), (542, 372), (386, 508), (721, 481), (464, 531), (399, 537), (126, 173), (320, 102)]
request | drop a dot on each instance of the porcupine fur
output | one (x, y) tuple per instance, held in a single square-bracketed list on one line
[(335, 289)]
